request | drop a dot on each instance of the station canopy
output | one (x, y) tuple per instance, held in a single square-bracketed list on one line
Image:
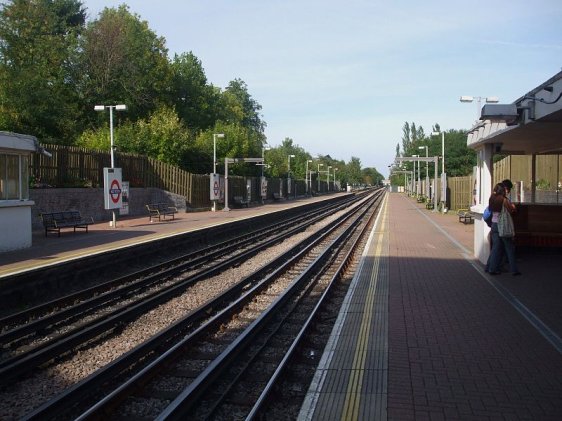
[(530, 125)]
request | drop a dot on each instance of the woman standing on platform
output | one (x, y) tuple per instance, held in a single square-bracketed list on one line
[(497, 202)]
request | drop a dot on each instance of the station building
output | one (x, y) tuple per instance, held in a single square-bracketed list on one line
[(528, 135), (15, 206)]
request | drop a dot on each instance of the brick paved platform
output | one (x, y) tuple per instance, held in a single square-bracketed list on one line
[(439, 339)]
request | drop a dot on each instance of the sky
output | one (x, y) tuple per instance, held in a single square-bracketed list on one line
[(341, 78)]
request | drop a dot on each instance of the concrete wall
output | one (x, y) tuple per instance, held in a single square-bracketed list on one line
[(89, 201)]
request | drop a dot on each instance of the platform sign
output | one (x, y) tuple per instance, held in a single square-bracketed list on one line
[(112, 190), (124, 209), (215, 187)]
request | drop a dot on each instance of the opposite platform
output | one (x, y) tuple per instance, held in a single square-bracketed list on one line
[(426, 334), (128, 231)]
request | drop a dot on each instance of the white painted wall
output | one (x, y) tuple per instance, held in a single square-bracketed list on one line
[(15, 224), (484, 168)]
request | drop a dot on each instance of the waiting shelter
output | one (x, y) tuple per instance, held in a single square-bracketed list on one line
[(15, 206), (527, 134)]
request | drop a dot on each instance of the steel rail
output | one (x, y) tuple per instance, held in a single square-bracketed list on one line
[(25, 363), (265, 397), (180, 407), (148, 278), (196, 257), (76, 392), (275, 268)]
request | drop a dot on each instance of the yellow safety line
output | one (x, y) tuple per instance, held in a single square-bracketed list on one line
[(353, 394)]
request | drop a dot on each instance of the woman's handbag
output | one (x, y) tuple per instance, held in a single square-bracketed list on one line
[(505, 224), (487, 216)]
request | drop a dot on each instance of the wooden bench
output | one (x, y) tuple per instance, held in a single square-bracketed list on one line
[(240, 201), (277, 196), (538, 225), (465, 216), (161, 210), (54, 221)]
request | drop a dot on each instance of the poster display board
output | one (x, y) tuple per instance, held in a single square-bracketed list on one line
[(124, 209), (215, 187), (263, 187)]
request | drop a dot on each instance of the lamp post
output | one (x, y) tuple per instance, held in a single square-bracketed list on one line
[(335, 169), (443, 174), (442, 149), (289, 174), (318, 177), (307, 177), (426, 170), (328, 177), (488, 99), (215, 136), (263, 149), (416, 182), (262, 185), (119, 107)]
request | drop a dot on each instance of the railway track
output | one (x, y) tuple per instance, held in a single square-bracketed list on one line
[(48, 331), (143, 358)]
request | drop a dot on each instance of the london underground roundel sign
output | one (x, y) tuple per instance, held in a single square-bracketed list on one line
[(112, 196), (115, 191)]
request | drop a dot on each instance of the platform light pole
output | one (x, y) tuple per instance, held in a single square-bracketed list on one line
[(289, 174), (335, 169), (328, 177), (308, 177), (318, 177), (118, 107), (215, 136), (416, 182), (443, 173), (487, 99), (426, 169), (262, 181), (263, 149)]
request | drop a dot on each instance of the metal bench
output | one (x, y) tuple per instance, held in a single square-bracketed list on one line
[(240, 201), (54, 221), (161, 210), (277, 196)]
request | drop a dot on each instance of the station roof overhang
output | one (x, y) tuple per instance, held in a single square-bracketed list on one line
[(536, 128), (19, 143)]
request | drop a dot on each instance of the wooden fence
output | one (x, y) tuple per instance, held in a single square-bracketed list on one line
[(71, 166)]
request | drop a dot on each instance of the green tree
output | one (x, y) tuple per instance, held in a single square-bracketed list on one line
[(161, 136), (372, 176), (38, 73), (124, 62), (196, 102), (406, 140), (238, 142), (353, 168), (459, 159), (240, 107)]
